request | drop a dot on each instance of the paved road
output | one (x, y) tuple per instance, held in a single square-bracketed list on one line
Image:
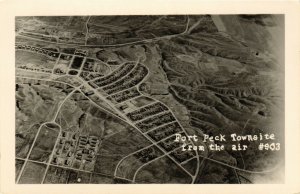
[(114, 45)]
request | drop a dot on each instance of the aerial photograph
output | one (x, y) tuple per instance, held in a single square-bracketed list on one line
[(150, 99)]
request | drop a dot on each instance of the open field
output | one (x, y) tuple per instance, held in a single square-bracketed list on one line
[(44, 143), (33, 173)]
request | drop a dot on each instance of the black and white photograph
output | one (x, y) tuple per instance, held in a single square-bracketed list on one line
[(150, 99)]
